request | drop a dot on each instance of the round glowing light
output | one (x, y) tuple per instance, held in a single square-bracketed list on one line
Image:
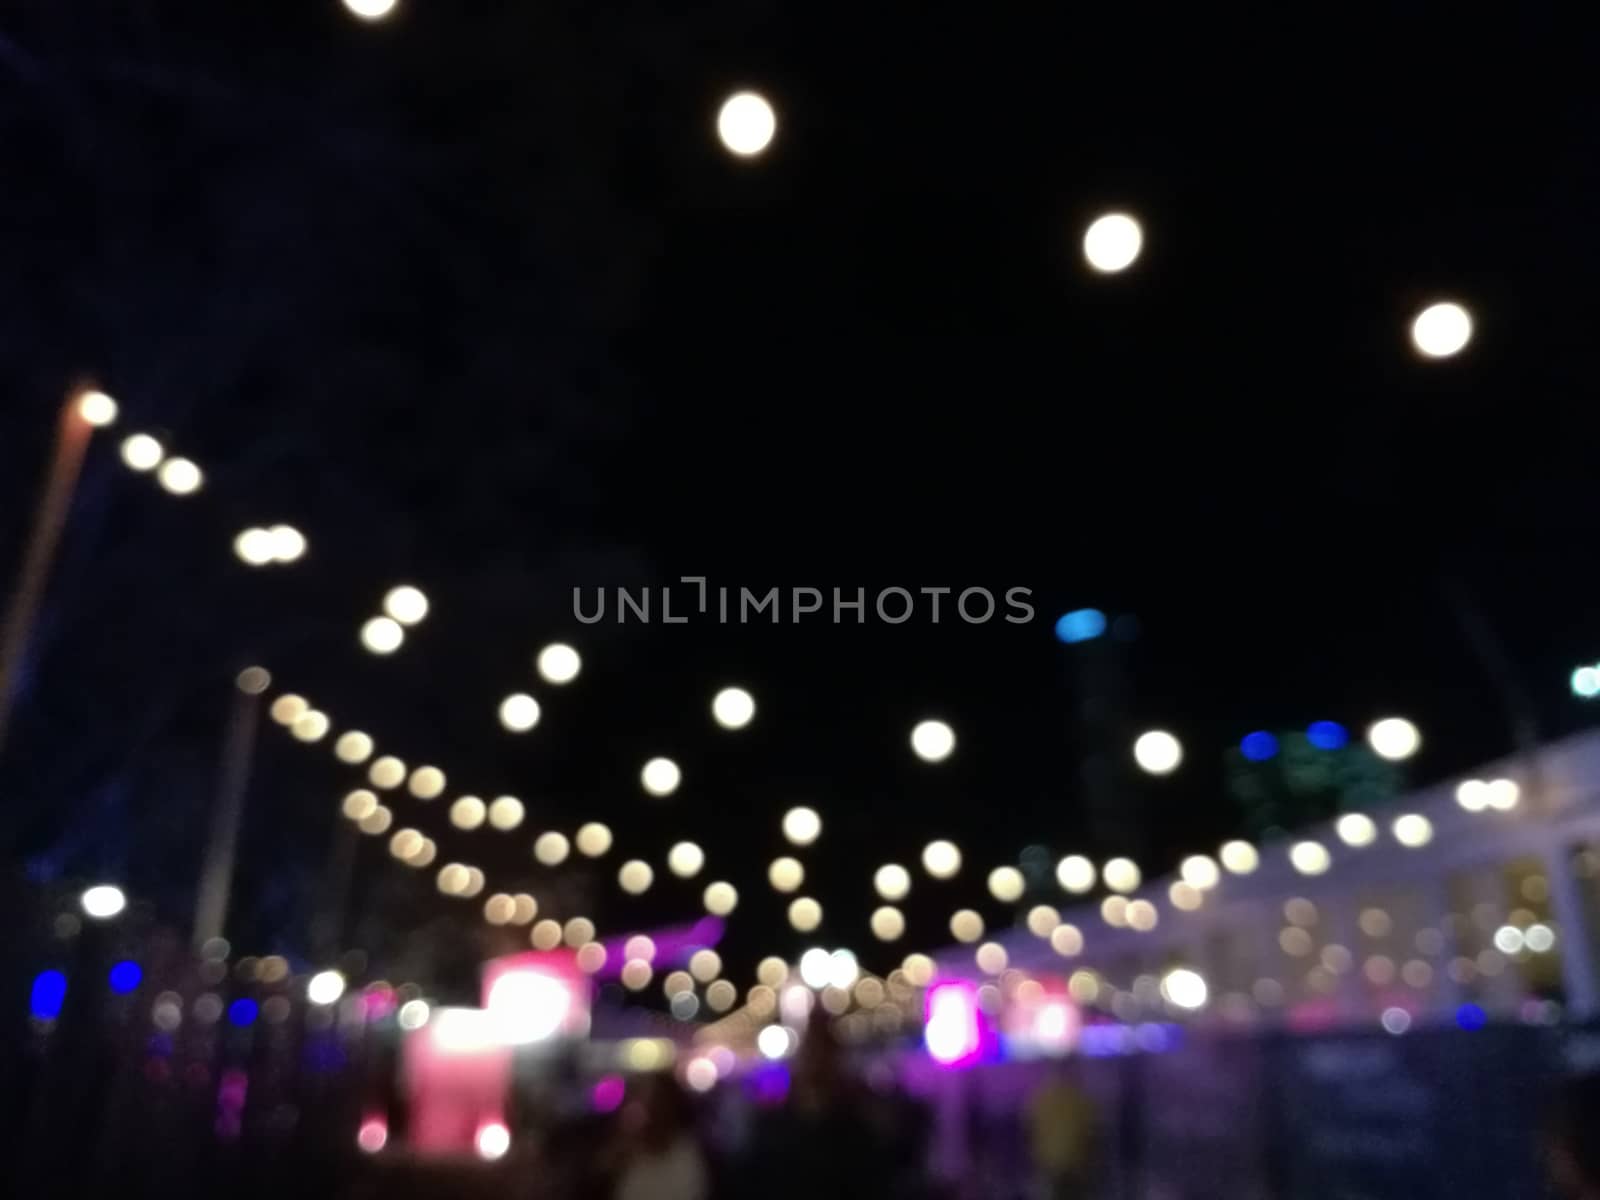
[(636, 975), (635, 877), (887, 923), (892, 881), (1157, 752), (405, 843), (1356, 829), (660, 777), (1472, 795), (1412, 830), (1185, 896), (1121, 875), (802, 825), (382, 635), (1239, 857), (772, 971), (546, 935), (551, 848), (1183, 988), (1441, 330), (468, 812), (325, 987), (1393, 738), (405, 604), (746, 123), (493, 1139), (701, 1073), (252, 681), (578, 932), (97, 409), (453, 879), (941, 859), (286, 709), (685, 859), (254, 547), (1539, 938), (1042, 920), (353, 747), (641, 946), (370, 10), (966, 925), (498, 908), (932, 741), (1006, 884), (386, 772), (1142, 915), (358, 804), (591, 957), (1112, 242), (918, 970), (519, 712), (558, 663), (1076, 874), (288, 543), (179, 476), (524, 908), (373, 1135), (1200, 871), (991, 958), (310, 726), (720, 899), (413, 1014), (805, 914), (1310, 858), (1395, 1020), (593, 839), (1114, 911), (376, 822), (720, 997), (1503, 794), (1066, 941), (733, 708), (1585, 682), (773, 1041), (1508, 939), (786, 874), (103, 901), (141, 452), (506, 813), (705, 965), (426, 783)]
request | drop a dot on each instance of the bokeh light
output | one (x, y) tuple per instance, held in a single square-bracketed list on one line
[(254, 547), (1200, 871), (558, 663), (805, 914), (1157, 752), (103, 901), (1412, 830), (1006, 884), (353, 747), (1121, 875), (1112, 242), (1327, 735), (635, 877), (1239, 857), (506, 813), (593, 839), (382, 635), (1310, 858), (1080, 625), (887, 923), (405, 604), (1259, 746), (786, 874), (286, 709), (141, 452), (802, 825), (310, 726), (519, 712), (660, 777), (1066, 940), (932, 741), (551, 848), (325, 987), (468, 812), (371, 10), (1393, 738), (966, 925), (1184, 989), (1356, 829), (720, 899), (426, 783), (733, 708), (1441, 330), (746, 124), (1042, 920), (179, 476), (685, 859), (891, 881), (96, 408), (1075, 874), (941, 859)]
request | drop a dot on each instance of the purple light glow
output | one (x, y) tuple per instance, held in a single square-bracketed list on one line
[(952, 1031), (608, 1093)]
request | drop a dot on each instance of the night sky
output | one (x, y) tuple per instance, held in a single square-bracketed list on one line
[(477, 301)]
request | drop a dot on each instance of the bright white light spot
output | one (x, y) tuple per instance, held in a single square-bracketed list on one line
[(933, 741), (1239, 857), (660, 777), (103, 901), (593, 839), (179, 476), (286, 709), (773, 1042), (519, 712), (427, 783), (892, 881), (97, 409), (359, 804), (700, 1074), (1412, 830), (685, 859), (254, 547), (527, 1006), (814, 968), (452, 879), (353, 747), (1042, 920), (966, 925), (310, 726), (406, 843), (802, 825), (468, 812), (1006, 884), (733, 708), (1075, 874), (1503, 794), (413, 1014), (720, 899), (493, 1139), (746, 123), (1393, 738), (888, 923), (1356, 829), (558, 663), (1200, 871), (376, 822), (551, 848), (325, 987), (1310, 858), (805, 914), (1586, 682), (1112, 242), (381, 635), (786, 874), (497, 909), (635, 877), (370, 10), (1508, 939), (991, 958), (1539, 938), (406, 604), (1441, 330), (506, 813), (1121, 875), (288, 543), (141, 452), (1184, 988), (1157, 752), (941, 859), (1142, 915)]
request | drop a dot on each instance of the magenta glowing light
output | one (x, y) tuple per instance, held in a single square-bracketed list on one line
[(952, 1031), (373, 1135), (608, 1093)]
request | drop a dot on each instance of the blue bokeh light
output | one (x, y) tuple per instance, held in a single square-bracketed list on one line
[(1470, 1016), (1586, 682), (1259, 746), (126, 977), (1081, 625), (1327, 735), (243, 1012), (48, 995)]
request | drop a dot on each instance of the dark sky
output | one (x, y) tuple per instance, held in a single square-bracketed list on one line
[(476, 300)]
